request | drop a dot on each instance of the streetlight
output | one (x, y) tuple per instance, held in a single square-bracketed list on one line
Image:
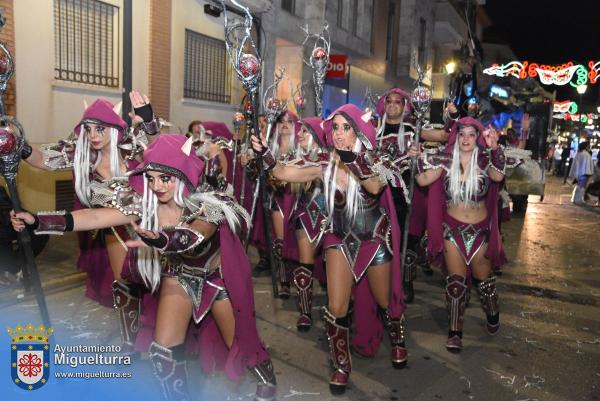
[(450, 70)]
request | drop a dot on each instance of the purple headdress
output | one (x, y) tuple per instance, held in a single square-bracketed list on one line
[(466, 122), (218, 129), (101, 112), (313, 126), (380, 108), (170, 154), (360, 122)]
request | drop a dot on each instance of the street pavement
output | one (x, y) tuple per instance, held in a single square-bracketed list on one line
[(548, 347)]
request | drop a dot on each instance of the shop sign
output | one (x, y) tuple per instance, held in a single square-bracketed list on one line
[(338, 65)]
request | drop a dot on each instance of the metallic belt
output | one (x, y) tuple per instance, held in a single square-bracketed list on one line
[(192, 279)]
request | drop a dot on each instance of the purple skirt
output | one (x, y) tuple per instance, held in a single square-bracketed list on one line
[(466, 237), (359, 260)]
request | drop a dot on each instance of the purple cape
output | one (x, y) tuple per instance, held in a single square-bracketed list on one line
[(418, 215), (257, 236), (290, 242), (369, 327), (247, 349)]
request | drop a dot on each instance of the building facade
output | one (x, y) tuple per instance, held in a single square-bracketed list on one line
[(70, 51), (378, 38)]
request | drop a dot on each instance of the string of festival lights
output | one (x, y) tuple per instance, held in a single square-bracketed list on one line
[(567, 73)]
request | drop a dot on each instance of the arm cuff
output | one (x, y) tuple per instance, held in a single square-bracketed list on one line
[(361, 168), (53, 222), (498, 160)]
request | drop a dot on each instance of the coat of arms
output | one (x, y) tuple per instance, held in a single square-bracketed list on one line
[(30, 356)]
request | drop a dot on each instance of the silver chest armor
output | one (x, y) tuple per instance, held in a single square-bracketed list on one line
[(365, 221), (192, 268), (307, 199), (482, 189)]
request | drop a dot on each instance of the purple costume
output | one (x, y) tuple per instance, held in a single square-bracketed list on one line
[(208, 269), (93, 256), (310, 205), (371, 238), (307, 217), (382, 233), (222, 137), (282, 200), (457, 232), (468, 238)]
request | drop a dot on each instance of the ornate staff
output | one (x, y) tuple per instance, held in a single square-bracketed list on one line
[(370, 100), (370, 104), (248, 116), (299, 99), (420, 100), (12, 144), (318, 61), (245, 59), (238, 120), (273, 106)]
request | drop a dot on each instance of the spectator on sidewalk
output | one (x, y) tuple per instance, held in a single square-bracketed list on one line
[(557, 160), (594, 187), (581, 170), (549, 157), (564, 159)]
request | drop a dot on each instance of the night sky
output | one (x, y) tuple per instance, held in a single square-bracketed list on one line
[(552, 32)]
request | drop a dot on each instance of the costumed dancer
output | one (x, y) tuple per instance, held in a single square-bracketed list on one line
[(214, 145), (100, 150), (248, 173), (283, 146), (307, 218), (190, 253), (395, 133), (361, 238), (462, 222)]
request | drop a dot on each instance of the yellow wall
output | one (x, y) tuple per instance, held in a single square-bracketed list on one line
[(49, 108), (37, 187)]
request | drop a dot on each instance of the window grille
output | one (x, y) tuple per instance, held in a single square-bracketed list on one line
[(207, 74), (347, 14), (289, 6), (86, 42), (65, 194)]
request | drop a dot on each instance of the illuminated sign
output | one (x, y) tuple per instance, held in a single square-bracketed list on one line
[(567, 73), (565, 107), (338, 66), (576, 117), (498, 91)]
